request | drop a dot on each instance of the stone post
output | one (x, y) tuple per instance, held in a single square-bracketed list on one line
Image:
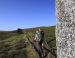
[(65, 28)]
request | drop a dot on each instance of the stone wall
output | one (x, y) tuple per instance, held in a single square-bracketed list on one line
[(65, 28)]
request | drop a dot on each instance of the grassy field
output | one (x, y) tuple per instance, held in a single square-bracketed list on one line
[(12, 43)]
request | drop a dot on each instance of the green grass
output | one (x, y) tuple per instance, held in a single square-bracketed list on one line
[(11, 43)]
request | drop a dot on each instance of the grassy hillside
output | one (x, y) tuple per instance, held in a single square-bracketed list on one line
[(12, 44)]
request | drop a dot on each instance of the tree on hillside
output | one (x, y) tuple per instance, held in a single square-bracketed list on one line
[(19, 31)]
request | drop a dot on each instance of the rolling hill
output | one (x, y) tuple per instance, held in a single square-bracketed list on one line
[(14, 44)]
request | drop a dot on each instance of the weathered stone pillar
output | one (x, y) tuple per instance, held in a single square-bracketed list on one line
[(65, 28)]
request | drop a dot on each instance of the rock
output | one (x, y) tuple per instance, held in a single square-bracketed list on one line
[(65, 28)]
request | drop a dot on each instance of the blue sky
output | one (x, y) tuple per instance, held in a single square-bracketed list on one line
[(26, 13)]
